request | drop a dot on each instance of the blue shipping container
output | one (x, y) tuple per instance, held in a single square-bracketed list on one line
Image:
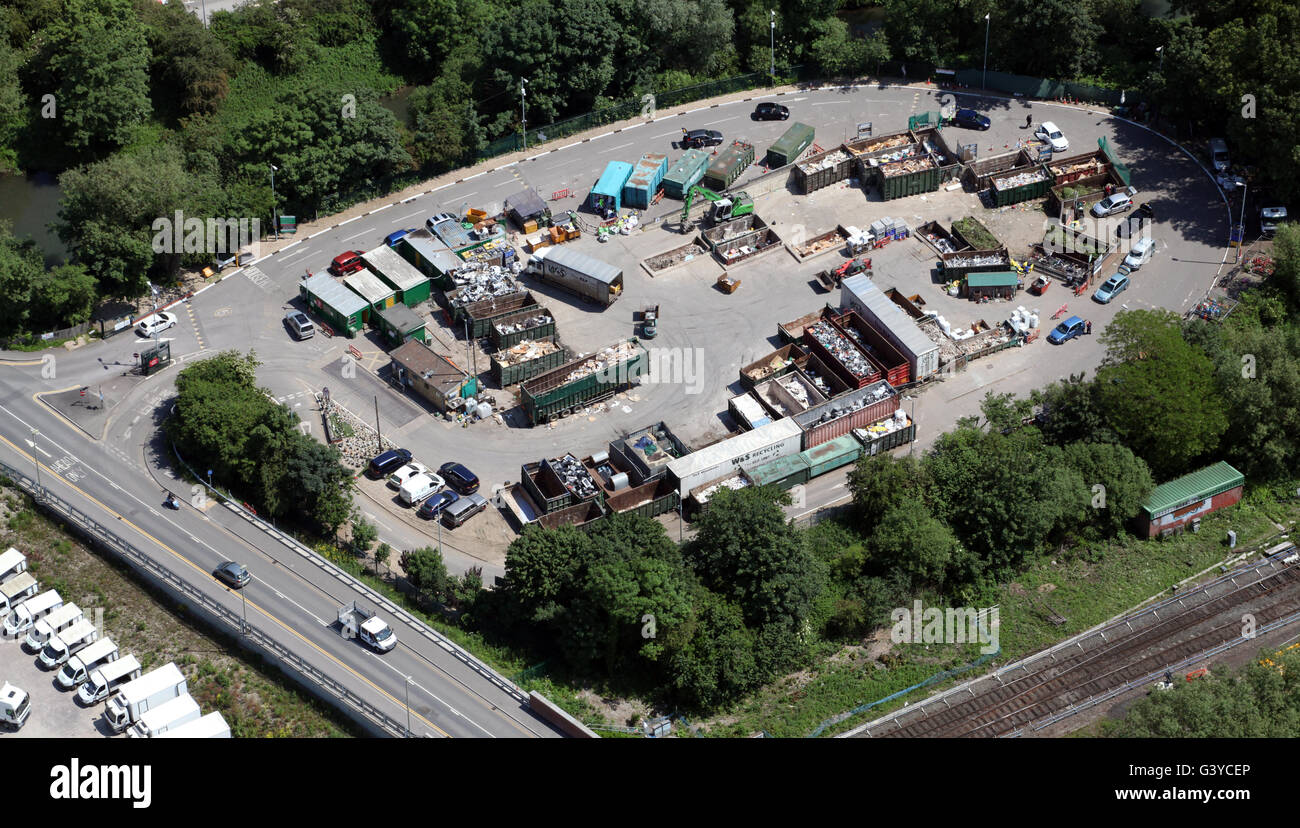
[(645, 180), (608, 191)]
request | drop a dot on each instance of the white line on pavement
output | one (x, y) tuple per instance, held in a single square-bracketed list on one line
[(362, 233), (619, 147), (504, 183), (723, 121), (409, 215), (291, 255)]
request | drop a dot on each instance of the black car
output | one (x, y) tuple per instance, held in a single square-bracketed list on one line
[(387, 463), (233, 574), (971, 119), (770, 112), (459, 478), (697, 138), (1132, 225), (430, 508)]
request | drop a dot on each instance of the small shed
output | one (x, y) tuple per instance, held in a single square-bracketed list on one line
[(341, 309), (371, 288), (431, 375), (1171, 506), (608, 192), (525, 208), (399, 323), (995, 285), (412, 286)]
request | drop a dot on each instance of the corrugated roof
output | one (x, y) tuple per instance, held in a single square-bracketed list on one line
[(689, 164), (343, 301), (846, 403), (401, 318), (1190, 488), (369, 286), (422, 361), (392, 268), (709, 456), (434, 251), (593, 267), (1000, 278), (612, 180), (889, 314)]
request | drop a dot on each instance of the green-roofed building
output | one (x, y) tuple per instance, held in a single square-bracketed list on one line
[(341, 309), (996, 285), (1171, 506)]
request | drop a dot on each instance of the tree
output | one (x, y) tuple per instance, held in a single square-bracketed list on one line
[(1158, 392), (880, 483), (1286, 264), (426, 571), (21, 265), (191, 68), (13, 116), (716, 665), (747, 551), (1070, 411), (910, 540), (364, 534), (382, 553), (837, 53), (95, 61), (62, 297), (427, 32), (1124, 479)]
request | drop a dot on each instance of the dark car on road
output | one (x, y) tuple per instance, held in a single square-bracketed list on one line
[(433, 506), (770, 112), (387, 463), (233, 574), (397, 235), (697, 138), (459, 478), (971, 119), (1132, 226)]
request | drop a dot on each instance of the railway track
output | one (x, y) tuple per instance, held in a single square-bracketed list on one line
[(1124, 651)]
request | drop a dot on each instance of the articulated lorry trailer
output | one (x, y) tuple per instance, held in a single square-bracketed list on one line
[(578, 273)]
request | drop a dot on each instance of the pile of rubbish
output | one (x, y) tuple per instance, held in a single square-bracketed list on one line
[(1023, 321), (523, 324), (476, 283), (527, 351), (734, 483), (840, 348), (826, 163), (574, 476), (796, 388), (624, 226), (602, 362), (1019, 179)]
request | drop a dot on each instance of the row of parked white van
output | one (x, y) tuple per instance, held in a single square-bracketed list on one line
[(150, 705)]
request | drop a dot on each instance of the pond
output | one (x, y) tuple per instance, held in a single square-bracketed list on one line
[(29, 203)]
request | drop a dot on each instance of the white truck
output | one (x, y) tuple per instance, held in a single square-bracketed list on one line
[(28, 611), (15, 591), (356, 622), (137, 698), (79, 667), (169, 714), (63, 645), (15, 706), (49, 626), (211, 726), (12, 562), (107, 678)]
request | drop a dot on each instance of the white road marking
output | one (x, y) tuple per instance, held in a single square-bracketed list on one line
[(362, 233), (504, 183), (619, 147), (439, 699), (723, 121), (666, 134), (411, 215)]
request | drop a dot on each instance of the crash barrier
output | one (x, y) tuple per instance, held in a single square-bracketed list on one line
[(312, 678)]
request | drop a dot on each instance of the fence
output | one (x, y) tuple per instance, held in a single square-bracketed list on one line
[(191, 597), (62, 333)]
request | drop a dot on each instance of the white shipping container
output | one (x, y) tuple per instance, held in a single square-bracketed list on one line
[(777, 439)]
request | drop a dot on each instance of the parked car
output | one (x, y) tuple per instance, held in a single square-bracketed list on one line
[(300, 327), (459, 478), (1111, 288), (156, 323), (463, 509), (1143, 250), (1219, 155), (432, 507), (697, 138), (233, 574), (1270, 218), (1067, 330), (387, 463), (971, 119), (1132, 226), (397, 235), (439, 218), (397, 478), (770, 112), (1049, 132), (345, 263), (1117, 202)]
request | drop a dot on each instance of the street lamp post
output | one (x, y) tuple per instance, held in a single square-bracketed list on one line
[(523, 108), (912, 442), (409, 681), (772, 44), (681, 523), (985, 83), (275, 215), (243, 630), (1160, 50), (35, 434)]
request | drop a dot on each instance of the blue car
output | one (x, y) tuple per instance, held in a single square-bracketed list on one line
[(397, 235), (971, 119), (1113, 286), (434, 505), (1067, 330)]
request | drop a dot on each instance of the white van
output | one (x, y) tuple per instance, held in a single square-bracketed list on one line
[(158, 720), (419, 487), (64, 645), (103, 681), (12, 563), (50, 626), (30, 611), (16, 590), (211, 726), (1141, 253), (80, 666), (1219, 155)]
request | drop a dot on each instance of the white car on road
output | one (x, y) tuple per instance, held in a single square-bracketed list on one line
[(1049, 132), (157, 323)]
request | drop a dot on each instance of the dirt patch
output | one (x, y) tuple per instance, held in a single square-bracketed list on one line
[(622, 712), (1016, 589), (1045, 588)]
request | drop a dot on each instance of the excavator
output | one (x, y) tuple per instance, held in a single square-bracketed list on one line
[(724, 206)]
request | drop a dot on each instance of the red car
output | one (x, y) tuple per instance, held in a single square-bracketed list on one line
[(345, 263)]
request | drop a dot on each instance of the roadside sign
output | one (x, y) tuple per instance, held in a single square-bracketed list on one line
[(1235, 236), (288, 224), (864, 130)]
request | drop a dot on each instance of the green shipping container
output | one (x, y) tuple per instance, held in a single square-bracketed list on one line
[(887, 442), (783, 472), (728, 166), (908, 184), (832, 454), (1005, 195), (546, 330), (686, 173), (548, 396), (510, 374), (789, 146)]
